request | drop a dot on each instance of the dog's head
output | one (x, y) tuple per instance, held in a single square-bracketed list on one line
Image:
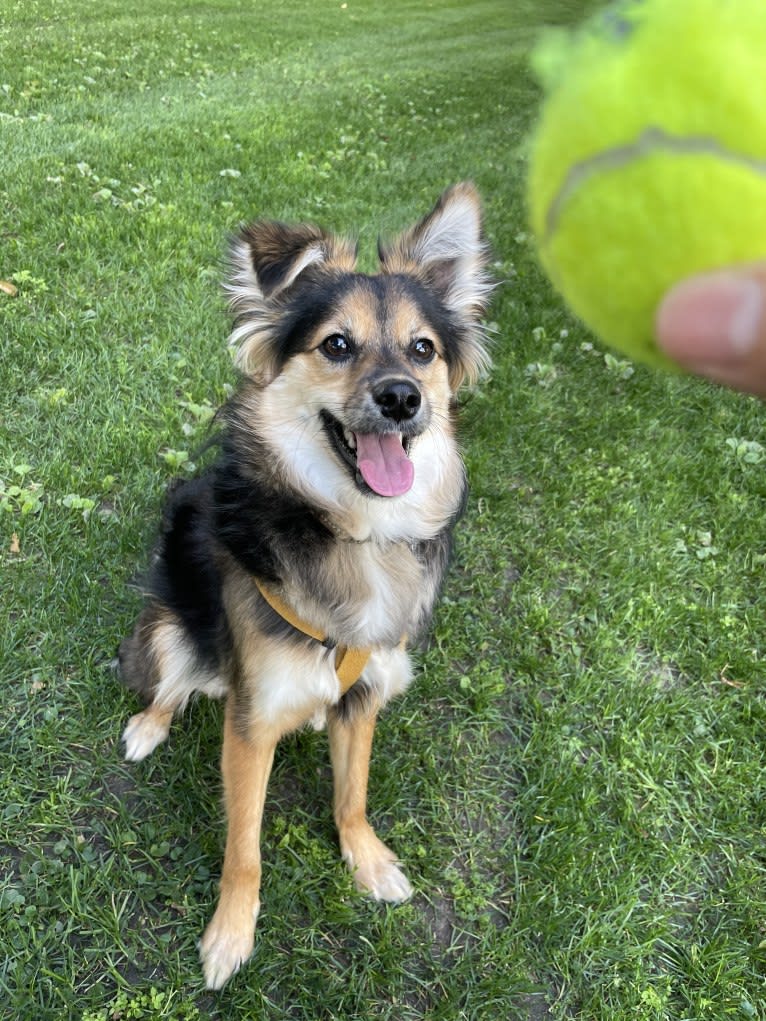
[(363, 368)]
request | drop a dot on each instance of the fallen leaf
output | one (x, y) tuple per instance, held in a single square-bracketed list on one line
[(15, 548), (8, 288)]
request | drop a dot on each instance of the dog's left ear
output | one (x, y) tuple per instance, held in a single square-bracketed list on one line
[(267, 260), (447, 250)]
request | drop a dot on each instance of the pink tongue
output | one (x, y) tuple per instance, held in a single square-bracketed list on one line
[(383, 463)]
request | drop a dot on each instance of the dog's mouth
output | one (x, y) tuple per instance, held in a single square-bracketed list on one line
[(379, 461)]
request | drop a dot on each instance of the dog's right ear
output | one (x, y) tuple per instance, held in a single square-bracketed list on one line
[(267, 259)]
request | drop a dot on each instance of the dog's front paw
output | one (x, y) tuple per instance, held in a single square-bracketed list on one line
[(384, 881), (226, 945), (374, 866)]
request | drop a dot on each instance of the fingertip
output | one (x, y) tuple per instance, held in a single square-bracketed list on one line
[(713, 319)]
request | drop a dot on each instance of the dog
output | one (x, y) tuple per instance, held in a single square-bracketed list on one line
[(290, 575)]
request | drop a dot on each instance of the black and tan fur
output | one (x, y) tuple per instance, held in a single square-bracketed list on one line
[(333, 361)]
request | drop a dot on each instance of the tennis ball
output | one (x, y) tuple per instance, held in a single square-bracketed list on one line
[(649, 160)]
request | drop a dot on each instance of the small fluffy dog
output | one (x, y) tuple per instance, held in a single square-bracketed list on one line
[(290, 576)]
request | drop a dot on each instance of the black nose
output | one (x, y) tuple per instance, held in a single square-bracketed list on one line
[(397, 398)]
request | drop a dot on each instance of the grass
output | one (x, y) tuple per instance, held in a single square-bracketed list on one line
[(576, 782)]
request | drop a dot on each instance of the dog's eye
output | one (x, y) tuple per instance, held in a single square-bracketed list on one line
[(422, 350), (337, 347)]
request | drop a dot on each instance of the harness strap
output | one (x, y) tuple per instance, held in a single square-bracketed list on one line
[(349, 662)]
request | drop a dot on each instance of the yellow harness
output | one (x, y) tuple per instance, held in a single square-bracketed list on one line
[(349, 662)]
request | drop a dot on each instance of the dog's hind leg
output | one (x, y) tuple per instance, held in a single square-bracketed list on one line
[(373, 865), (145, 731), (158, 661)]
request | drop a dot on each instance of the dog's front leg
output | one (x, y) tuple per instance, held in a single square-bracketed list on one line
[(246, 764), (374, 865)]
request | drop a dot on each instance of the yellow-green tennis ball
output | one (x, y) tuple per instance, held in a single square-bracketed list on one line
[(649, 160)]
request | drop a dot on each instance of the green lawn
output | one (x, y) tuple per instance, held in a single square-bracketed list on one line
[(576, 781)]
